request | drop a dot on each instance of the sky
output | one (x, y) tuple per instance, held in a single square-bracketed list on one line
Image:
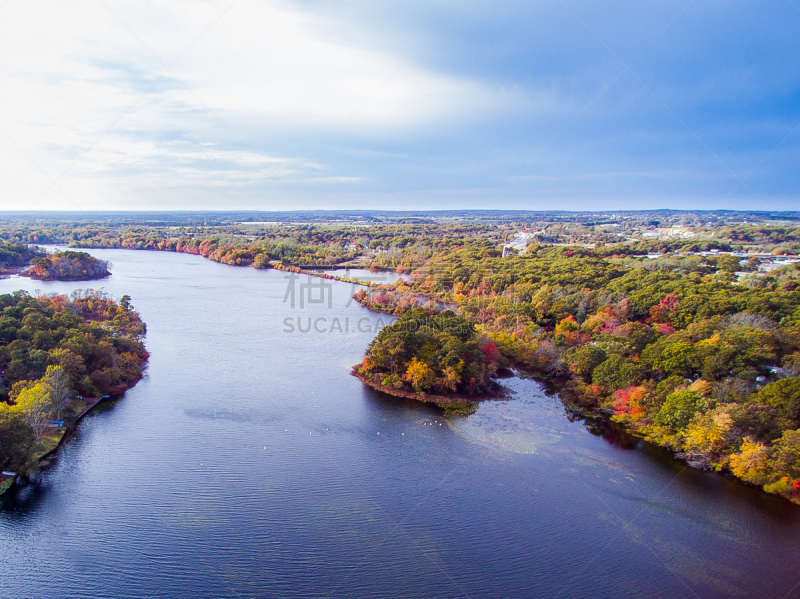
[(435, 104)]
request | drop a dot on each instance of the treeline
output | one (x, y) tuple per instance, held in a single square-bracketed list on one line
[(761, 235), (403, 246), (67, 266), (53, 349), (384, 246)]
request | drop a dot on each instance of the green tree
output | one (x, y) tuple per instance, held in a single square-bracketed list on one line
[(16, 439), (784, 396), (671, 355), (584, 360), (617, 373), (728, 263), (679, 409)]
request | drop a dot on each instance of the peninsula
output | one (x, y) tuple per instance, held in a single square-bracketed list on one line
[(431, 357), (60, 356)]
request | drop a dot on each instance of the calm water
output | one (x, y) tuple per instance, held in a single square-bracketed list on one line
[(248, 463)]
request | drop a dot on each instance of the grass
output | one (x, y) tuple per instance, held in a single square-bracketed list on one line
[(50, 440), (5, 483), (54, 435)]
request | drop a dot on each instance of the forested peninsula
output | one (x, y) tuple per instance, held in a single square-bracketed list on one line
[(432, 357), (59, 356)]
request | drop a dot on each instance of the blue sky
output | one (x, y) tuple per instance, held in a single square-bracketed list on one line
[(355, 104)]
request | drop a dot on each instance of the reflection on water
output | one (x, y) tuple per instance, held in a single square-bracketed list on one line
[(249, 463), (523, 425)]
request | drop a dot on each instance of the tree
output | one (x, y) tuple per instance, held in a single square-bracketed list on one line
[(728, 263), (451, 378), (16, 439), (628, 403), (665, 310), (261, 261), (786, 455), (36, 406), (57, 382), (542, 303), (709, 432), (671, 355), (784, 396), (420, 375), (680, 408), (71, 362), (616, 373), (584, 360), (751, 463)]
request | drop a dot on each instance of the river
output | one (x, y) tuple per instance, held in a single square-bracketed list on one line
[(249, 463)]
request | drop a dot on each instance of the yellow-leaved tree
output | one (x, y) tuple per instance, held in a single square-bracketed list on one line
[(420, 375), (36, 405), (752, 463)]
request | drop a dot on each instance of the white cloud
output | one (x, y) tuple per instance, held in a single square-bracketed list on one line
[(79, 86)]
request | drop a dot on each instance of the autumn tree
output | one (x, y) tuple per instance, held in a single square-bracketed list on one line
[(420, 375), (36, 406)]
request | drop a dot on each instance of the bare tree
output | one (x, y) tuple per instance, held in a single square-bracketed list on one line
[(57, 382)]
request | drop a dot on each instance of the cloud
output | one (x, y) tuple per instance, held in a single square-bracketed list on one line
[(230, 104), (180, 92)]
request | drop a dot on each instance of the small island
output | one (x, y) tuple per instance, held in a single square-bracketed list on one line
[(431, 357), (59, 357), (67, 266)]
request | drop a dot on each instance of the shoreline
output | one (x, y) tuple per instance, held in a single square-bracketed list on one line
[(90, 403), (272, 264), (558, 384), (304, 271), (10, 271), (93, 402), (25, 274), (499, 392)]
